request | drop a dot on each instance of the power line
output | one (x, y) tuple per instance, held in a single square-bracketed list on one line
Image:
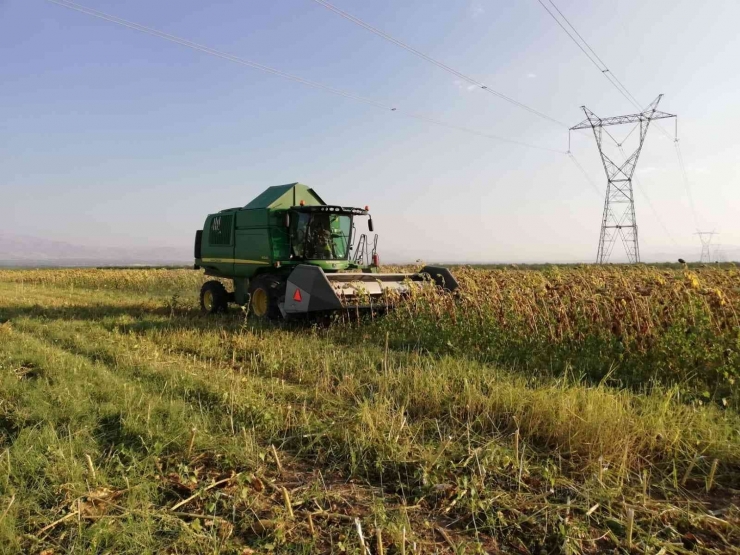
[(445, 67), (268, 69), (214, 52), (603, 69), (466, 78), (422, 117), (686, 182), (643, 192), (591, 182), (606, 69), (307, 82), (660, 128), (600, 65)]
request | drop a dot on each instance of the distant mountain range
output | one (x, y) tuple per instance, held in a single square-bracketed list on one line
[(20, 250)]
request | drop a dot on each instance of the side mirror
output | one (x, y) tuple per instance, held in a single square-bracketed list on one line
[(286, 221), (370, 225)]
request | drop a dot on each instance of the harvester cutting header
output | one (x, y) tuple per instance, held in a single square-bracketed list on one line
[(288, 252)]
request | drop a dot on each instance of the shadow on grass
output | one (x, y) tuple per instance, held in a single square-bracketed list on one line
[(111, 433), (9, 430), (144, 317), (94, 312)]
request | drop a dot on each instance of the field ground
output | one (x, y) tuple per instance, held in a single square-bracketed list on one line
[(553, 411)]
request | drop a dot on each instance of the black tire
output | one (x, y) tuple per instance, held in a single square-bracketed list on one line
[(213, 297), (264, 294)]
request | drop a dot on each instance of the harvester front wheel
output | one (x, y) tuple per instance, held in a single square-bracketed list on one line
[(263, 297), (213, 297)]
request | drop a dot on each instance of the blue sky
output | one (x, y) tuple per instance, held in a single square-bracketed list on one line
[(113, 137)]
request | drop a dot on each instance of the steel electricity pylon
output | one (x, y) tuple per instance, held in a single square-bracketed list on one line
[(706, 240), (618, 220)]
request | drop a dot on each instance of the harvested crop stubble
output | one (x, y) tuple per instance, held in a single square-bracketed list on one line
[(131, 423)]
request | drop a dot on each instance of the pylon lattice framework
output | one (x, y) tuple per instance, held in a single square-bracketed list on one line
[(706, 239), (618, 220)]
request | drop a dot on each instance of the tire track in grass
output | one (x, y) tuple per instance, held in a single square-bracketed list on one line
[(95, 374), (332, 442), (251, 401), (334, 421), (71, 411), (94, 385), (63, 342)]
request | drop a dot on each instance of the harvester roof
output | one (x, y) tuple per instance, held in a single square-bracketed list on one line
[(285, 196)]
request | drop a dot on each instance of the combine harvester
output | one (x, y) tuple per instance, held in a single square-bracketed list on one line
[(287, 253)]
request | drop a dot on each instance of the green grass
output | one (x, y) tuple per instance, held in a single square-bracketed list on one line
[(438, 450)]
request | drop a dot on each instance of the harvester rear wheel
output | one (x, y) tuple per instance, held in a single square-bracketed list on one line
[(213, 297), (264, 292)]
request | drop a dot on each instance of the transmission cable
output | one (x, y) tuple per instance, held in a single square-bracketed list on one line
[(625, 92), (466, 78), (643, 192), (453, 71), (600, 65), (268, 69), (603, 69), (594, 187), (606, 69), (686, 182)]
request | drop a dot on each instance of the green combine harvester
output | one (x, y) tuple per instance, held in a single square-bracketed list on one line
[(288, 253)]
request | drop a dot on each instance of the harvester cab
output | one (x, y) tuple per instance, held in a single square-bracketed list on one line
[(287, 252), (327, 233)]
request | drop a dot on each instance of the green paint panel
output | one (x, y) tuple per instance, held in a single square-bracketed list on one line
[(285, 196), (251, 218), (252, 252)]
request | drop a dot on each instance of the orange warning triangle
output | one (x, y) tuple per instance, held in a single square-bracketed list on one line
[(297, 295)]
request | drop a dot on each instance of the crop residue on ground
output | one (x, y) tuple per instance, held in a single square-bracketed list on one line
[(575, 410)]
